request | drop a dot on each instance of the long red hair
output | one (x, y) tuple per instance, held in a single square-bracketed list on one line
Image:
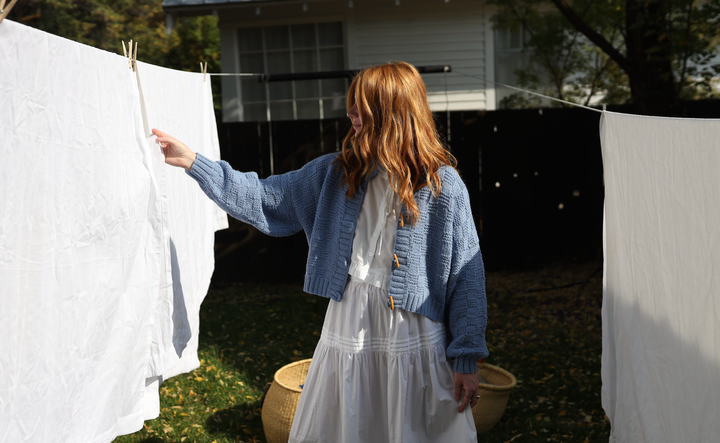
[(398, 133)]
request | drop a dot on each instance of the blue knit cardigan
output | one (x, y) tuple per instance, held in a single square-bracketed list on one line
[(439, 270)]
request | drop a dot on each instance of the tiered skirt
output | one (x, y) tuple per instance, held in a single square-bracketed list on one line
[(379, 375)]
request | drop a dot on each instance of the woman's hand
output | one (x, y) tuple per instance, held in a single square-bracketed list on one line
[(469, 383), (176, 153)]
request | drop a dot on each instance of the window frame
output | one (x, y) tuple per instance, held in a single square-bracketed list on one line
[(268, 102)]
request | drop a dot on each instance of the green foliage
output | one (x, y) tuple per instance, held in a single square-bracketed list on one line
[(609, 51), (562, 63), (696, 46), (104, 24)]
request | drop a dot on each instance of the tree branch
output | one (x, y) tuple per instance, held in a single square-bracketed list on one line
[(686, 53), (594, 36)]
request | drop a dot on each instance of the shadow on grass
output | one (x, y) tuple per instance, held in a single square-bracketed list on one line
[(260, 328), (544, 327), (237, 423)]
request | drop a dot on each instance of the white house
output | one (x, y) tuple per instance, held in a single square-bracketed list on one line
[(284, 36)]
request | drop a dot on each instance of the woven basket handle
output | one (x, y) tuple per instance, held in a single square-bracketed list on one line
[(265, 391), (481, 363)]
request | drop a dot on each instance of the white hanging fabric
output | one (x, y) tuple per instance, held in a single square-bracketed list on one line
[(84, 248), (661, 303), (180, 103), (90, 247)]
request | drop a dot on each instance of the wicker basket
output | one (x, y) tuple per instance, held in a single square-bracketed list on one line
[(281, 399), (494, 395)]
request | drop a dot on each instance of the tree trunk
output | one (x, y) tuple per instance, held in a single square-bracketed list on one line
[(649, 53), (648, 63)]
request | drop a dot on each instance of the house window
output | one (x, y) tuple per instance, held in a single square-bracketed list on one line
[(509, 57), (509, 39), (292, 48)]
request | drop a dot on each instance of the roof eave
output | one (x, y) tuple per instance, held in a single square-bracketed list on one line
[(218, 5)]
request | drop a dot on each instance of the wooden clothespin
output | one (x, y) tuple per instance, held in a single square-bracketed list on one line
[(203, 69), (134, 60), (131, 55), (5, 11), (125, 51)]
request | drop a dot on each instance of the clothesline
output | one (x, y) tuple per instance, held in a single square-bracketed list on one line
[(529, 92), (249, 74), (234, 74)]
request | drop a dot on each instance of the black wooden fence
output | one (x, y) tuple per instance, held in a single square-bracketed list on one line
[(534, 178)]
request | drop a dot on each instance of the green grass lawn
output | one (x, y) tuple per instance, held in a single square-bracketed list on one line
[(544, 327)]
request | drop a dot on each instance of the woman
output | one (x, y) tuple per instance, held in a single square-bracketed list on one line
[(392, 242)]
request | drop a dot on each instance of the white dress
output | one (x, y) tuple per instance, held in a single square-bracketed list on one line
[(378, 374)]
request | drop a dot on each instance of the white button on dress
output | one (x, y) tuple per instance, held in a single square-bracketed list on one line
[(378, 374)]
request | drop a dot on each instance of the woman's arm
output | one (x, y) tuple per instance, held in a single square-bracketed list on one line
[(279, 205), (176, 153), (467, 303), (466, 385)]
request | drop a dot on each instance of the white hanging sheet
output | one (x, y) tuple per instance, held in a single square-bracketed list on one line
[(84, 251), (661, 304), (180, 103), (103, 259)]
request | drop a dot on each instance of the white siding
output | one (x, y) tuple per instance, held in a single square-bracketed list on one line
[(427, 32), (420, 32)]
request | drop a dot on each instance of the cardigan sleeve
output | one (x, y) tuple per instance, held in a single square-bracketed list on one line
[(279, 205), (467, 302)]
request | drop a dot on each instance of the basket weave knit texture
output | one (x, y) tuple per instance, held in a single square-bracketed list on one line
[(494, 394), (281, 400)]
